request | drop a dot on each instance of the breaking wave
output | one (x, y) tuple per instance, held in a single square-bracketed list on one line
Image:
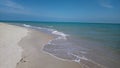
[(59, 36)]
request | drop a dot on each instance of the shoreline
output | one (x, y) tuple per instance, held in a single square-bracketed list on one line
[(32, 55), (35, 57), (28, 51)]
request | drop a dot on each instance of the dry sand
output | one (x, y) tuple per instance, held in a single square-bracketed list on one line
[(10, 52), (32, 56)]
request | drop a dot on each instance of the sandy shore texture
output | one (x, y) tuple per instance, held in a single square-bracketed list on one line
[(22, 48), (10, 52)]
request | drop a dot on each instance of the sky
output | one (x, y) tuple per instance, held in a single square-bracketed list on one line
[(101, 11)]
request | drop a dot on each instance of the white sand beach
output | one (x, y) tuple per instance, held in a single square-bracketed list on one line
[(10, 51), (22, 48)]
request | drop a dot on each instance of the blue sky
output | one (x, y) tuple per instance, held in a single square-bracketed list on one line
[(104, 11)]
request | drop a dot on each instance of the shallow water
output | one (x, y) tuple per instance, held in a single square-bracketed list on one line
[(93, 45)]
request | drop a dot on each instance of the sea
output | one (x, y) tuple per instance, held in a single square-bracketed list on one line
[(94, 45)]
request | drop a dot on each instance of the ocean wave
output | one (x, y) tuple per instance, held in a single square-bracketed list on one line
[(77, 58), (26, 25), (60, 35)]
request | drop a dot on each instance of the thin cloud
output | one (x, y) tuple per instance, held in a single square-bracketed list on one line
[(12, 7), (11, 4), (105, 3)]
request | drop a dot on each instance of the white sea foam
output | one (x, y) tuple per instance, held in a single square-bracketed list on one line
[(26, 25), (78, 58), (29, 26), (60, 35)]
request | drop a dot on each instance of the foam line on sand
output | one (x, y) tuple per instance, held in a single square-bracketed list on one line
[(22, 48)]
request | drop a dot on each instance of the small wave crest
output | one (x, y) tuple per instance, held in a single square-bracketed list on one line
[(60, 35), (26, 25), (78, 58)]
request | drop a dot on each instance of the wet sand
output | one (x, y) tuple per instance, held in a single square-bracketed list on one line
[(35, 57), (24, 48)]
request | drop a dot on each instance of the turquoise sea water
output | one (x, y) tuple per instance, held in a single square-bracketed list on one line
[(96, 44)]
